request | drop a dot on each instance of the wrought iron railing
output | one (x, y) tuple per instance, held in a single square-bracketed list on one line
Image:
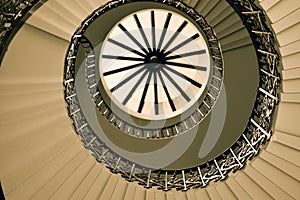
[(257, 132)]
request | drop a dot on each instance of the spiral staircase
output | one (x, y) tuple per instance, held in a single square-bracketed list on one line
[(41, 156)]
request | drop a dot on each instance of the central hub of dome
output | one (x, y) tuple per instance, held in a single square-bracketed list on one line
[(154, 59), (154, 62), (157, 58)]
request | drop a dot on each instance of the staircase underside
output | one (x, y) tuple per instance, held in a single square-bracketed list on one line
[(41, 157)]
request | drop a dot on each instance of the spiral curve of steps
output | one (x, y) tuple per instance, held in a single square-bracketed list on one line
[(41, 157)]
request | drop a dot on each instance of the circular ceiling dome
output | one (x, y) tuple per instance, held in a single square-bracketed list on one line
[(154, 68), (155, 64)]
